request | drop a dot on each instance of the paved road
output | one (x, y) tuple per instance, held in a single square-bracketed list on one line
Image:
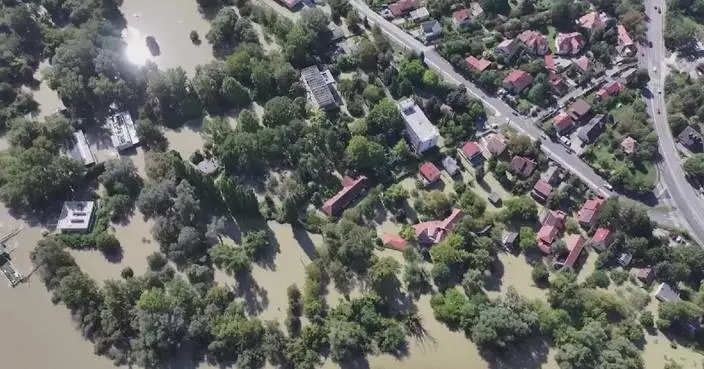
[(683, 196), (554, 150)]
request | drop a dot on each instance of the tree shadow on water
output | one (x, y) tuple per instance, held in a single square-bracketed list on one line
[(305, 242), (529, 355), (256, 298), (359, 362)]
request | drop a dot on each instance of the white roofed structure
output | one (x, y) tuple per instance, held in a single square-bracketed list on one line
[(76, 216), (77, 148), (123, 132), (422, 134)]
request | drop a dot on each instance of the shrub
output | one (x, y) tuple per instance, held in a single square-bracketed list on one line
[(540, 275), (647, 320), (127, 272), (619, 276), (600, 279), (107, 243)]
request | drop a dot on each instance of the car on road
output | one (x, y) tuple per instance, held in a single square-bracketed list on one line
[(660, 91), (608, 186), (658, 111), (544, 136), (655, 69)]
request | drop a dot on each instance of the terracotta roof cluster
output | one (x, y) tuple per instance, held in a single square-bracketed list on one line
[(435, 231), (591, 21), (536, 42), (610, 89), (590, 209), (569, 43), (478, 64), (351, 188), (429, 172)]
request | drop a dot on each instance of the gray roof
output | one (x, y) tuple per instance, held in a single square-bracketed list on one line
[(77, 148), (317, 86), (690, 138), (207, 166), (666, 293), (429, 26), (417, 120)]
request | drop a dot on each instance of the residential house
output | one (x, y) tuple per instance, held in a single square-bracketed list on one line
[(541, 190), (351, 189), (547, 234), (558, 86), (521, 166), (582, 65), (77, 148), (569, 43), (645, 275), (610, 89), (593, 129), (431, 30), (589, 212), (122, 131), (402, 7), (336, 32), (393, 241), (495, 199), (626, 47), (434, 231), (419, 15), (507, 48), (555, 218), (319, 86), (476, 9), (508, 239), (624, 259), (553, 175), (690, 139), (628, 75), (517, 81), (535, 42), (290, 4), (629, 145), (471, 153), (665, 293), (563, 123), (601, 238), (208, 166), (76, 217), (450, 165), (575, 245), (422, 134), (494, 144), (478, 64), (428, 173), (580, 111), (549, 61), (591, 21), (461, 18)]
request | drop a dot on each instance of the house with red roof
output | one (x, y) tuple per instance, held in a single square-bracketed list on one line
[(517, 81), (554, 218), (541, 190), (549, 61), (402, 7), (558, 85), (575, 245), (569, 43), (507, 48), (589, 212), (478, 64), (428, 173), (582, 65), (591, 21), (629, 145), (521, 166), (434, 231), (393, 241), (535, 42), (351, 189), (546, 236), (563, 122), (601, 238), (494, 144), (461, 18), (626, 46), (290, 4), (610, 89), (471, 154)]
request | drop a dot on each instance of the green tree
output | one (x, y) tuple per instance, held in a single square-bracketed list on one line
[(436, 204), (528, 239), (234, 261), (234, 93), (365, 155), (520, 208), (382, 277), (384, 118)]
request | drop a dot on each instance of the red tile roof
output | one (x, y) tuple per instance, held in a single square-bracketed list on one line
[(522, 166), (351, 189), (569, 43), (583, 63), (591, 21), (624, 39), (589, 211), (575, 244), (496, 144), (547, 234), (461, 15), (609, 89), (471, 149), (401, 7), (628, 145), (601, 234), (534, 41), (394, 241), (562, 121), (542, 188), (550, 62), (518, 79), (554, 218), (429, 171), (478, 64), (434, 231)]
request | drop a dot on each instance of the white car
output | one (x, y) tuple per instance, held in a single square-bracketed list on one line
[(659, 90), (655, 69), (608, 186)]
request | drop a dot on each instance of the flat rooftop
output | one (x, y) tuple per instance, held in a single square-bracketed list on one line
[(77, 148), (416, 120), (76, 216), (123, 133)]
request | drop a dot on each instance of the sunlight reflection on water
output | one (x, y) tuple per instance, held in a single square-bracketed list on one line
[(136, 51)]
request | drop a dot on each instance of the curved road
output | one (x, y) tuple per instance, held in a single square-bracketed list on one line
[(684, 197)]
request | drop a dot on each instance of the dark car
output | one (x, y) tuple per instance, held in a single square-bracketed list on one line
[(153, 46)]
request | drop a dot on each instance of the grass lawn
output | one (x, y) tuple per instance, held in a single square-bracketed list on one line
[(551, 38), (604, 158)]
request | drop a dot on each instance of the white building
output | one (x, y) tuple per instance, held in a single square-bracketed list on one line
[(123, 132), (422, 134), (76, 216), (77, 149)]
